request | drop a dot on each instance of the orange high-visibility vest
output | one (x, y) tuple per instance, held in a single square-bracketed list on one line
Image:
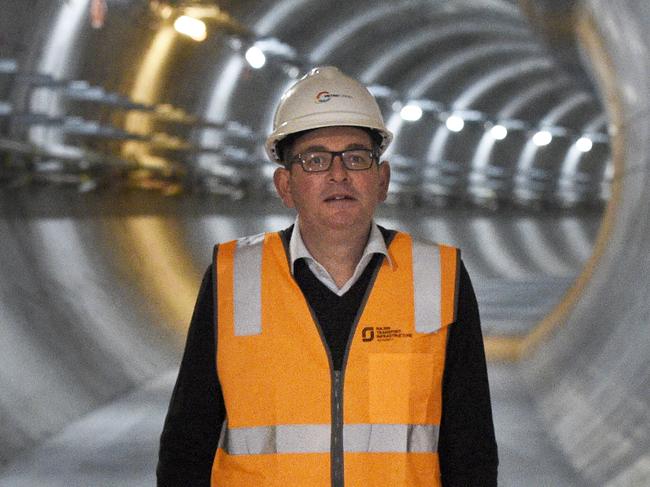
[(292, 421)]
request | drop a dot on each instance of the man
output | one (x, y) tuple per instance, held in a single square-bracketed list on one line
[(334, 352)]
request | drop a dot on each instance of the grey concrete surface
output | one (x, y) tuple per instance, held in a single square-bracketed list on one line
[(117, 445)]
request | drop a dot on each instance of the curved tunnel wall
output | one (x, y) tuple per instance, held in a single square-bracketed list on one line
[(591, 378), (77, 326), (86, 326)]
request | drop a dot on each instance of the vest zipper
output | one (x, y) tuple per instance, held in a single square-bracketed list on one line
[(336, 395), (336, 441), (336, 449), (337, 429), (336, 446)]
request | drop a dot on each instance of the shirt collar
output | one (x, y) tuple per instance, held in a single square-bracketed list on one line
[(297, 249)]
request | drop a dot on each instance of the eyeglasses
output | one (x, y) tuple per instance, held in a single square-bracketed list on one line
[(319, 161)]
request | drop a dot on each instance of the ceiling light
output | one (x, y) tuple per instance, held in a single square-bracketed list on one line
[(191, 27), (542, 138), (455, 123), (5, 108), (411, 113), (166, 12), (8, 65), (255, 57), (584, 144), (292, 71), (499, 132)]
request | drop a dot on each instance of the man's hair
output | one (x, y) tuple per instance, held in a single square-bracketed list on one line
[(285, 146)]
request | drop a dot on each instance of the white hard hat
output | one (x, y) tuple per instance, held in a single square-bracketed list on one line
[(325, 97)]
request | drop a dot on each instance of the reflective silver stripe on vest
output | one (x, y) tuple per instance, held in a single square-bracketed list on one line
[(426, 287), (284, 438), (384, 438), (247, 286), (315, 438)]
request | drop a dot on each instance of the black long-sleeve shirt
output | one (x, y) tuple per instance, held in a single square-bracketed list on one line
[(466, 445)]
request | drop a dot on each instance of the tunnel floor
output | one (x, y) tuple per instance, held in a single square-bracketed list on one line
[(117, 445)]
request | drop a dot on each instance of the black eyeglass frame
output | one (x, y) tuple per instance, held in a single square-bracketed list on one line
[(299, 159)]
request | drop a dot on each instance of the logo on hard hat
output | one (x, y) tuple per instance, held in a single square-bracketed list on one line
[(325, 96)]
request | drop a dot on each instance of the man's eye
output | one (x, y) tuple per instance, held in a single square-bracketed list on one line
[(317, 160), (357, 158)]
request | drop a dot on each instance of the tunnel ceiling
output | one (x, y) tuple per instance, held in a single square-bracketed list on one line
[(108, 94), (130, 109)]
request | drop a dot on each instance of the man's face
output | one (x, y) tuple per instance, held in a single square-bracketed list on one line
[(337, 198)]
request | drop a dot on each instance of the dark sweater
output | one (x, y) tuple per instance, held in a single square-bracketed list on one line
[(467, 447)]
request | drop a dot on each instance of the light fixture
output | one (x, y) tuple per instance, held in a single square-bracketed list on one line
[(411, 112), (499, 132), (5, 108), (166, 12), (191, 27), (584, 144), (292, 71), (542, 138), (255, 57), (455, 123)]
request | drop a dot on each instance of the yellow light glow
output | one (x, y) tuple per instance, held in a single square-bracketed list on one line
[(146, 90), (191, 27), (166, 12), (159, 257)]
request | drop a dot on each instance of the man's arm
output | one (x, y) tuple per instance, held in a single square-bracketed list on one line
[(196, 410), (467, 446)]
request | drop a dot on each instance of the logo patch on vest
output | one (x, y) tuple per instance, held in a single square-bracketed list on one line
[(382, 333)]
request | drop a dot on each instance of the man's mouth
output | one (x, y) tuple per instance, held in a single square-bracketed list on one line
[(339, 197)]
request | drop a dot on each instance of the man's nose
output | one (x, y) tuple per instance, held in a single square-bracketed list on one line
[(337, 170)]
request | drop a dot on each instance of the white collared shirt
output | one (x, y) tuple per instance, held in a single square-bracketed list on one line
[(298, 250)]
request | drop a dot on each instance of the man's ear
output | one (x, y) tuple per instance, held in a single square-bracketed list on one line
[(281, 178), (384, 180)]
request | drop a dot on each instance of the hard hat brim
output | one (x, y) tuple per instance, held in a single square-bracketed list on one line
[(321, 120)]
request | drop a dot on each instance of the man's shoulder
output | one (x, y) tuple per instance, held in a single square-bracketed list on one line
[(389, 235), (285, 234), (250, 242)]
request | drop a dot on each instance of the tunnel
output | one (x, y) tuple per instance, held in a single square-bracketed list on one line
[(131, 141)]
